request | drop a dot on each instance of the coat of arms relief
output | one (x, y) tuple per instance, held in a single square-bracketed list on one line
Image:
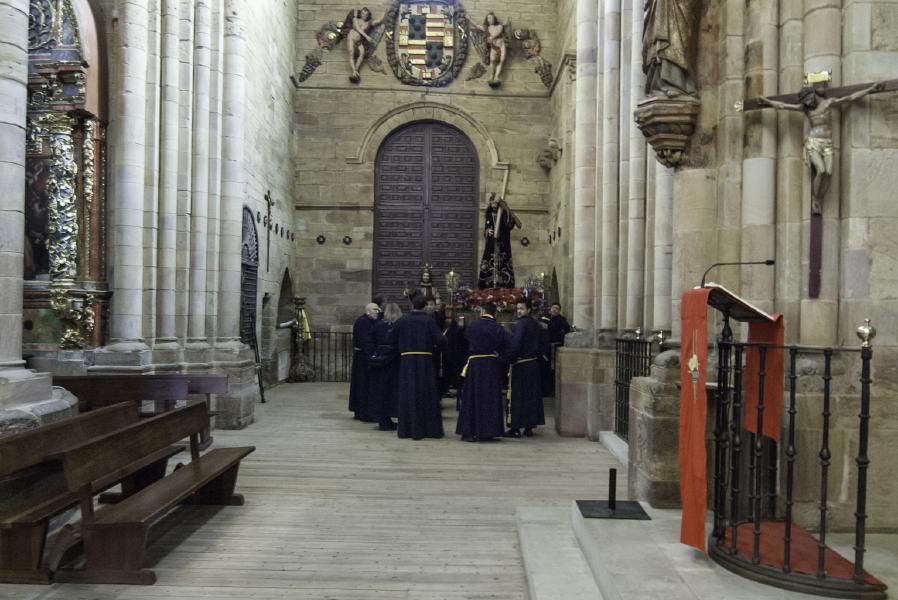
[(427, 44)]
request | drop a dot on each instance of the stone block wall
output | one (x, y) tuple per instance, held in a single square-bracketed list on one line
[(561, 192), (584, 396), (653, 434), (338, 127)]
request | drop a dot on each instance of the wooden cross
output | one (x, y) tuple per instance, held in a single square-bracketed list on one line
[(268, 227), (815, 101)]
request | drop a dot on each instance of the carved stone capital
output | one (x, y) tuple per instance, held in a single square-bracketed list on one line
[(667, 124)]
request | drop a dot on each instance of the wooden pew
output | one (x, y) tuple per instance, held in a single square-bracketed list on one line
[(101, 390), (115, 536), (96, 391), (38, 490)]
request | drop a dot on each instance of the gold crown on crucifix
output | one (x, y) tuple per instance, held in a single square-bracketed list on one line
[(818, 77)]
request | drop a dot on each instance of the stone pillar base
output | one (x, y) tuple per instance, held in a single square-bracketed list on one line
[(236, 408), (653, 471), (584, 396), (129, 356), (27, 400)]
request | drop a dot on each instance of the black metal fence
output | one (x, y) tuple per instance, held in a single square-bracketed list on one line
[(329, 354), (754, 477), (634, 359)]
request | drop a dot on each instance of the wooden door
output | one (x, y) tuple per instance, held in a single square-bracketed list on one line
[(425, 208)]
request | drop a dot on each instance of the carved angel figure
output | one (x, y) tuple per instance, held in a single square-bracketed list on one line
[(359, 43), (363, 36), (494, 41), (491, 42)]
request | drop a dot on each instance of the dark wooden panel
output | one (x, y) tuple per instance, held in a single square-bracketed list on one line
[(426, 190)]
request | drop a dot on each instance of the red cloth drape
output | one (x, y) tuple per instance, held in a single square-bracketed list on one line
[(767, 333), (693, 413)]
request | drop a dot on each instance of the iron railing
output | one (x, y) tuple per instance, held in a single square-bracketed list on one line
[(329, 354), (753, 490), (633, 359)]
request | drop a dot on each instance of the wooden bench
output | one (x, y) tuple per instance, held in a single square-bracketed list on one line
[(38, 489), (115, 536), (96, 391), (165, 390)]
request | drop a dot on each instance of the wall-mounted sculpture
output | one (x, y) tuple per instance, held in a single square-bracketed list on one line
[(668, 115), (427, 44), (494, 41), (548, 156), (362, 34)]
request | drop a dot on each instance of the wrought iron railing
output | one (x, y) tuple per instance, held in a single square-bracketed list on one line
[(753, 490), (633, 359), (329, 354)]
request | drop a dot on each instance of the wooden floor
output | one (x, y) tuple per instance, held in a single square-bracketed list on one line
[(337, 510)]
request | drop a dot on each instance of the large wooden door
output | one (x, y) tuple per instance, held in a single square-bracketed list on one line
[(425, 207)]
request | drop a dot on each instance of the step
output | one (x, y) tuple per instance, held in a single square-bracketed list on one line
[(553, 561)]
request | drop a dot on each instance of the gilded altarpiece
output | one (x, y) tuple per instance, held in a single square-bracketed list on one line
[(65, 277)]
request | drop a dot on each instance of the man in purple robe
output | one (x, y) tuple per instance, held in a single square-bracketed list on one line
[(525, 385), (362, 348), (481, 415), (417, 337)]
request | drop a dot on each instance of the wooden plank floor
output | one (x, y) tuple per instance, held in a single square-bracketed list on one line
[(337, 510)]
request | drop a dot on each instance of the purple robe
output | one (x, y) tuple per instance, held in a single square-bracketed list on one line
[(526, 386), (481, 414), (362, 348), (384, 373), (417, 336)]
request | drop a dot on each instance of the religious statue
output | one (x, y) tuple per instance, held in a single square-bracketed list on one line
[(496, 269), (491, 42), (669, 46), (818, 145), (358, 41)]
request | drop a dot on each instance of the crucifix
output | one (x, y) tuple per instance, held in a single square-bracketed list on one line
[(268, 227), (816, 101)]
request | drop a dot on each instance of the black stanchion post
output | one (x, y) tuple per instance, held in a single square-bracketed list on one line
[(612, 489)]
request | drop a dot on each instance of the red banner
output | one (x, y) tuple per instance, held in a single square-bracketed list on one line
[(693, 414), (766, 333)]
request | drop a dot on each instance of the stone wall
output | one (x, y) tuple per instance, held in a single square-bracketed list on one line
[(561, 191), (338, 129), (270, 29)]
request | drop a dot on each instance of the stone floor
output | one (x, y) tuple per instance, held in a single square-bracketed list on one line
[(337, 510)]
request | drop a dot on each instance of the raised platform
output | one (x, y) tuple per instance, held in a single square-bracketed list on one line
[(639, 560)]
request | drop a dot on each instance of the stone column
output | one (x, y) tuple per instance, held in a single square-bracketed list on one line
[(127, 141), (20, 389), (790, 174), (663, 247), (584, 166), (759, 154), (215, 103), (823, 51), (13, 100), (730, 129), (185, 165), (230, 355), (153, 163), (168, 188), (610, 160), (199, 186), (637, 182)]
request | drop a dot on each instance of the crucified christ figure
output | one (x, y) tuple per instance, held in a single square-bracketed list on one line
[(818, 145)]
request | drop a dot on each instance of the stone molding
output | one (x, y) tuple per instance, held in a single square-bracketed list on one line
[(421, 111)]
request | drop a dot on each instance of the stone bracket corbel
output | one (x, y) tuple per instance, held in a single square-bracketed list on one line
[(667, 124)]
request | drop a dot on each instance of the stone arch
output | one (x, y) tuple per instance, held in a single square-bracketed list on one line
[(486, 146)]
